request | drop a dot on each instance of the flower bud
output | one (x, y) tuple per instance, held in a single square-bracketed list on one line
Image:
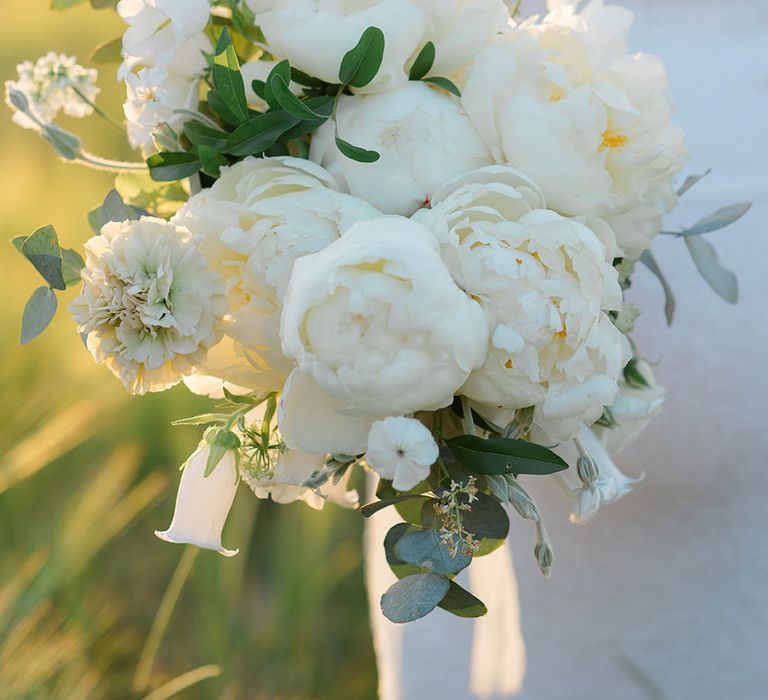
[(586, 503), (588, 470), (521, 500)]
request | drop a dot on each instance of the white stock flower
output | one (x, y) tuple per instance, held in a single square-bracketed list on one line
[(589, 122), (149, 305), (378, 322), (203, 502), (402, 450), (50, 86), (259, 217), (422, 135), (544, 282)]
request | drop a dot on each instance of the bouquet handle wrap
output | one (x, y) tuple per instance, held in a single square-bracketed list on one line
[(481, 658)]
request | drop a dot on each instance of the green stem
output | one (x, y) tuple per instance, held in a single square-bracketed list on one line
[(469, 423), (112, 122), (112, 166), (516, 8)]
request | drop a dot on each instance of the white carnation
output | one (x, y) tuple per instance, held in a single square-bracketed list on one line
[(544, 282), (150, 306), (378, 322), (589, 122), (422, 135), (255, 222)]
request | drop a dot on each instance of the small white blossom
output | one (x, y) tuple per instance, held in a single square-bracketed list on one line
[(50, 86), (150, 306), (401, 449)]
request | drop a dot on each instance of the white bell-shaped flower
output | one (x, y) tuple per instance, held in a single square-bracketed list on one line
[(203, 502)]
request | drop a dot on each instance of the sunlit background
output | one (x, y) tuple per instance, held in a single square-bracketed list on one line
[(92, 605)]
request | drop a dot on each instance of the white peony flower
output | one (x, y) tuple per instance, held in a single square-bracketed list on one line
[(255, 222), (149, 305), (378, 322), (590, 123), (402, 450), (203, 502), (423, 138), (544, 282), (54, 83), (152, 97)]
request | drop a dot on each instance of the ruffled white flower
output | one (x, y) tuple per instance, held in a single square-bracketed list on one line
[(54, 83), (203, 502), (589, 122), (314, 35), (153, 96), (378, 322), (422, 135), (255, 222), (544, 282), (402, 450), (149, 305)]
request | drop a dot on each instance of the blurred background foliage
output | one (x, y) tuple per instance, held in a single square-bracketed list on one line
[(87, 473)]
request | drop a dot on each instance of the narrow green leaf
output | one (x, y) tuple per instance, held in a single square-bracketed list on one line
[(361, 63), (634, 377), (361, 155), (217, 104), (705, 257), (289, 102), (323, 106), (504, 456), (43, 251), (424, 549), (199, 134), (211, 160), (221, 442), (170, 166), (301, 78), (108, 52), (691, 181), (71, 265), (259, 87), (414, 597), (228, 79), (648, 259), (720, 219), (257, 135), (67, 145), (203, 419), (283, 69), (65, 4), (38, 313), (462, 603), (423, 63), (444, 84), (373, 508)]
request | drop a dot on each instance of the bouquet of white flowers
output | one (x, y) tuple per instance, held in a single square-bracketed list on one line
[(391, 236)]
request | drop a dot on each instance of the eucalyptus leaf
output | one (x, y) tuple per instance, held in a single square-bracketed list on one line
[(108, 52), (228, 79), (171, 166), (424, 549), (504, 456), (115, 209), (486, 519), (394, 535), (361, 155), (361, 63), (444, 84), (65, 4), (67, 145), (720, 219), (43, 251), (705, 257), (38, 313), (423, 63), (257, 135), (18, 241), (691, 181), (648, 259), (414, 597), (72, 264), (462, 603)]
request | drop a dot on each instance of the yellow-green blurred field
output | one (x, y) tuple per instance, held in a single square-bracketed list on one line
[(87, 473)]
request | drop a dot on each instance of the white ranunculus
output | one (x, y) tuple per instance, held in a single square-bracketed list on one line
[(402, 450), (589, 122), (203, 502), (632, 410), (378, 322), (257, 219), (544, 282), (423, 138), (150, 306)]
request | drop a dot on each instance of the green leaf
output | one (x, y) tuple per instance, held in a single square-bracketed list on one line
[(423, 63), (115, 209), (18, 241), (108, 52), (211, 160), (227, 78), (424, 549), (283, 69), (301, 78), (217, 104), (634, 377), (221, 442), (38, 313), (720, 219), (361, 63), (504, 456), (289, 102), (67, 145), (361, 155), (65, 4), (691, 181), (410, 510), (373, 508), (444, 84), (199, 134), (257, 135), (171, 166), (462, 603), (648, 259), (394, 535), (414, 597), (722, 280), (43, 251), (203, 419), (487, 519), (321, 105), (71, 265)]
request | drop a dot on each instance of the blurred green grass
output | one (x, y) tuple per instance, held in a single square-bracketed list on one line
[(87, 473)]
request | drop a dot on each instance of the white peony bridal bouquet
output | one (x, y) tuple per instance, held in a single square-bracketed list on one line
[(390, 236)]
